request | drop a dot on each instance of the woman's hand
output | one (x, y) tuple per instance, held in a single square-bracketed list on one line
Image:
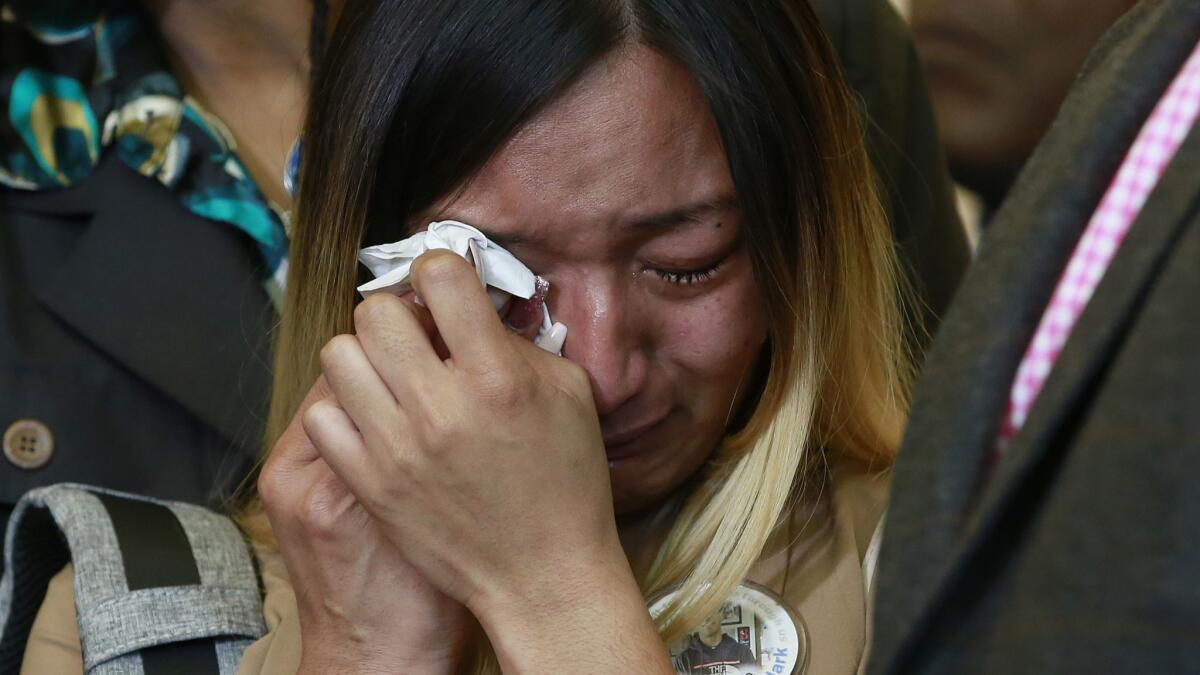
[(483, 455), (362, 607)]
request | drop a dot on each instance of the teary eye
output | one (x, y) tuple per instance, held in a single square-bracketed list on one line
[(689, 277)]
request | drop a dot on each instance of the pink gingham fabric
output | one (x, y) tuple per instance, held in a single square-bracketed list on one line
[(1155, 145)]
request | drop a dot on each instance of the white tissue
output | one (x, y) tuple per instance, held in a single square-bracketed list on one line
[(392, 264)]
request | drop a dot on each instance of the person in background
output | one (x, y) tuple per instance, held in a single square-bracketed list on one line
[(142, 237), (1044, 511), (998, 71), (881, 65)]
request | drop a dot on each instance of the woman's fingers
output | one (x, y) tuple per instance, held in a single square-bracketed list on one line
[(423, 317), (292, 446), (336, 437), (291, 456), (331, 430), (360, 390), (398, 337), (460, 306)]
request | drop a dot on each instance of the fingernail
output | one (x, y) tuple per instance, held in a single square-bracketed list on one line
[(554, 339)]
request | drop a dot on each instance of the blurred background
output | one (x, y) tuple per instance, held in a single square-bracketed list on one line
[(997, 72)]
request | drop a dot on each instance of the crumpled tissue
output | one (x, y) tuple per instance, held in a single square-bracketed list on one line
[(502, 274)]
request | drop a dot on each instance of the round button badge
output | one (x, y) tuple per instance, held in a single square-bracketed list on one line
[(754, 632)]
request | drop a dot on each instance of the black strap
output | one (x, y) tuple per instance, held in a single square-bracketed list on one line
[(156, 552), (192, 657)]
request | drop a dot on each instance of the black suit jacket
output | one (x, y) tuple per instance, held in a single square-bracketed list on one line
[(137, 332), (1080, 554)]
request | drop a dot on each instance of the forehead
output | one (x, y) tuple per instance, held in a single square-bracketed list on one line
[(632, 138)]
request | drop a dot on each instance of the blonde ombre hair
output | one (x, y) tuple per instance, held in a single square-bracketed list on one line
[(415, 96)]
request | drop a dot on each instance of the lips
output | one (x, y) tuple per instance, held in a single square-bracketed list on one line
[(939, 34), (623, 443)]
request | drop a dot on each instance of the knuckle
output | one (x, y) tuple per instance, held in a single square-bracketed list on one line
[(576, 378), (270, 485), (312, 419), (374, 310), (274, 482), (575, 382), (437, 428), (506, 388), (334, 350), (316, 513)]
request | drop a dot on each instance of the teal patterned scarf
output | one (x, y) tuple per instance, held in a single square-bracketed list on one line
[(78, 79)]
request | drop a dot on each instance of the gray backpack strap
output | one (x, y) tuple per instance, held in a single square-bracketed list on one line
[(160, 587)]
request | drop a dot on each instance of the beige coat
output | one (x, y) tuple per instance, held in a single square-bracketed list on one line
[(825, 582)]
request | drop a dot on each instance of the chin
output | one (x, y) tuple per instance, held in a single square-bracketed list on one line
[(630, 494), (645, 481)]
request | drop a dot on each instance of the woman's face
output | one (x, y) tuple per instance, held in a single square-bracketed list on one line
[(619, 194)]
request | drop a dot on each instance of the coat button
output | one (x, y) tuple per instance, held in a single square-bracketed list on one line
[(28, 444)]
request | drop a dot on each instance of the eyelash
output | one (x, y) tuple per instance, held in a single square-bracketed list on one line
[(688, 277)]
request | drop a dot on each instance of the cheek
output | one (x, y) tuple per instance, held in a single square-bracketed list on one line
[(712, 341)]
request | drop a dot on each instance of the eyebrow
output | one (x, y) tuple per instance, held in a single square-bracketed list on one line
[(691, 213), (687, 214)]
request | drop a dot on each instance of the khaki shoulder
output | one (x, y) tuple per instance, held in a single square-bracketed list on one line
[(54, 645)]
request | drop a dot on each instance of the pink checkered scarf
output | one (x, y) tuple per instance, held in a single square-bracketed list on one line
[(1156, 143)]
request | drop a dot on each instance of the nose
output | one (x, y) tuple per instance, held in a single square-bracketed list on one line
[(605, 337)]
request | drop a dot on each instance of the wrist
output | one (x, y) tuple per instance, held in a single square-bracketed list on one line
[(552, 585), (351, 657), (319, 665), (587, 615)]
